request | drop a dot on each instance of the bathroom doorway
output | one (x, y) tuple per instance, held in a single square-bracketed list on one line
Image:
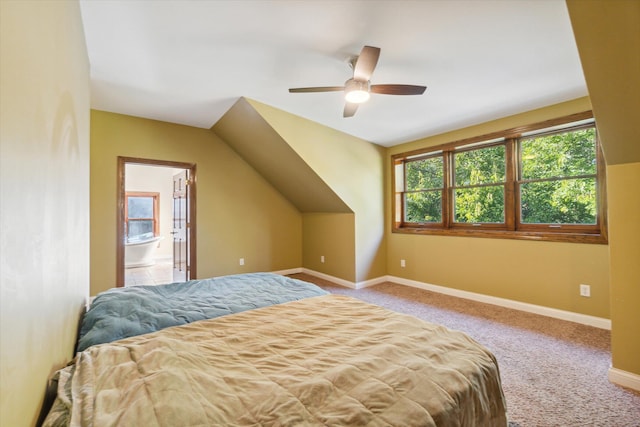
[(156, 222)]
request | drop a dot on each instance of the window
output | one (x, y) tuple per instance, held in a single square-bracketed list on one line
[(424, 188), (479, 181), (558, 178), (141, 215), (544, 181)]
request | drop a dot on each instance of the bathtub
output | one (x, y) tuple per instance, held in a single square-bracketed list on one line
[(139, 253)]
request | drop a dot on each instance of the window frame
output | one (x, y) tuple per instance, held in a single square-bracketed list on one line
[(512, 228), (507, 192), (156, 211), (443, 192)]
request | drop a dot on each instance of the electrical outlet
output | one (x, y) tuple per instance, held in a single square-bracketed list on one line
[(585, 290), (321, 258), (403, 263), (241, 261)]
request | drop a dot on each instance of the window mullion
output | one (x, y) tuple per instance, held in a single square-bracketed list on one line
[(403, 196), (517, 183), (447, 199), (560, 178), (510, 206), (398, 195)]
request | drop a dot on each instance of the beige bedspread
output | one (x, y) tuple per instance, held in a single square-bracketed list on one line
[(329, 360)]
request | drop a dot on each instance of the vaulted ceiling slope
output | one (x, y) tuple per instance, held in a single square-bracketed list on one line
[(611, 63), (249, 134), (188, 62)]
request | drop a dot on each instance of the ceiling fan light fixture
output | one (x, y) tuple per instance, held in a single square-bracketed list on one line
[(358, 88), (356, 91)]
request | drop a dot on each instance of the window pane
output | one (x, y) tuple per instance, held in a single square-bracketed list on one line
[(425, 206), (425, 174), (567, 201), (399, 177), (137, 228), (561, 155), (481, 166), (479, 204), (140, 207)]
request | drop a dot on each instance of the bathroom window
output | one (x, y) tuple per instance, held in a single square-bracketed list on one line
[(141, 215)]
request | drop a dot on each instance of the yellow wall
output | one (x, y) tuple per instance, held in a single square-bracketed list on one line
[(354, 169), (608, 38), (541, 273), (239, 214), (44, 189), (624, 232), (331, 235)]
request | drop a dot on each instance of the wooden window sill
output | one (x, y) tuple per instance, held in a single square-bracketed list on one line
[(502, 234)]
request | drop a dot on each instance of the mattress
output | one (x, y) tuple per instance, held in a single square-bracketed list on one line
[(329, 360)]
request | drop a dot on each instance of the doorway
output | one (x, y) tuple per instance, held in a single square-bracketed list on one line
[(156, 230)]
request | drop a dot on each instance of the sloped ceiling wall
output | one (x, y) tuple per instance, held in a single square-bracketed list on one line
[(263, 148), (608, 38)]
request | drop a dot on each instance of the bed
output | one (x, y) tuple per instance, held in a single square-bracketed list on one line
[(318, 360), (125, 312)]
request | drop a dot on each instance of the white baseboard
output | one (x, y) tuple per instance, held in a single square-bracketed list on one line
[(372, 282), (570, 316), (289, 271), (624, 378), (346, 283), (333, 279), (336, 280)]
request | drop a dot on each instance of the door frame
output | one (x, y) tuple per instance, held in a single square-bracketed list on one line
[(120, 206)]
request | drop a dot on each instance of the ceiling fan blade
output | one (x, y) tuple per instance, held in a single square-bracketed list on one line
[(366, 63), (398, 89), (316, 89), (349, 109)]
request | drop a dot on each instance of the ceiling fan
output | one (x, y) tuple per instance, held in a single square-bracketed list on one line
[(359, 88)]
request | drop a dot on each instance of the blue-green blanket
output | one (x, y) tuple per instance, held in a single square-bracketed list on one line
[(125, 312)]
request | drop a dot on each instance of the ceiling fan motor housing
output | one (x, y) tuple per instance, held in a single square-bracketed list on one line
[(357, 91)]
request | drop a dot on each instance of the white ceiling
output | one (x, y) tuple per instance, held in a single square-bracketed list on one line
[(188, 62)]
